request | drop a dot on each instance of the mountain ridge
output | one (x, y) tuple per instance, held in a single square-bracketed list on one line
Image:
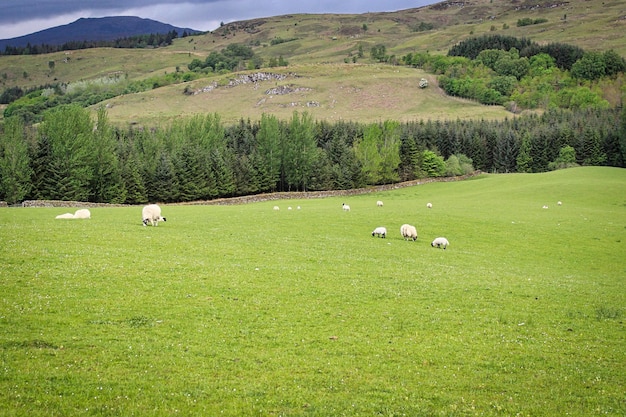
[(95, 29)]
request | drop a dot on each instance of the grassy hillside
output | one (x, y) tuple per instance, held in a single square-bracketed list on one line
[(244, 310), (316, 44), (366, 93)]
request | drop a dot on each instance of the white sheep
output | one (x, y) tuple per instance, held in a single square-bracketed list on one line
[(379, 203), (429, 205), (380, 232), (79, 214), (276, 208), (440, 242), (559, 203), (82, 214), (408, 232), (152, 213), (345, 207)]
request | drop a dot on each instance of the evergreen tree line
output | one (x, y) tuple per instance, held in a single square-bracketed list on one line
[(153, 40), (70, 156)]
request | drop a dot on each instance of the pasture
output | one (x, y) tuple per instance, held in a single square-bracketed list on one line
[(244, 310)]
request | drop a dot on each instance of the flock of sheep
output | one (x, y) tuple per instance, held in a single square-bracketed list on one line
[(152, 214), (408, 232), (149, 214)]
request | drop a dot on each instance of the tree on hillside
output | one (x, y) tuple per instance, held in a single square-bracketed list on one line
[(433, 165), (389, 150), (366, 151), (590, 67), (379, 53), (301, 151), (107, 185), (68, 131), (505, 152), (524, 159), (165, 185), (130, 172), (268, 152), (15, 170)]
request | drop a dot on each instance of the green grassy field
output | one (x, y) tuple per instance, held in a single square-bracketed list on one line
[(243, 310)]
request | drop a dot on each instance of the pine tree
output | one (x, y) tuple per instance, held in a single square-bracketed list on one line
[(300, 151), (15, 170), (165, 186), (524, 159), (106, 185), (268, 152), (133, 181), (389, 150), (68, 130), (366, 150), (505, 152)]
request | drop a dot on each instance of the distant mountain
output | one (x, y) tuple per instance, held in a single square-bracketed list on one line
[(95, 29)]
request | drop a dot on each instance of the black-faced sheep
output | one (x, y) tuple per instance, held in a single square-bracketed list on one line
[(345, 207), (408, 232), (380, 232), (440, 242), (152, 214)]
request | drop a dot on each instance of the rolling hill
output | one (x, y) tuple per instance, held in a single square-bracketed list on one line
[(329, 79), (94, 29)]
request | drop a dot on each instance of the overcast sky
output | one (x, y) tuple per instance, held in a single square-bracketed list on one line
[(22, 17)]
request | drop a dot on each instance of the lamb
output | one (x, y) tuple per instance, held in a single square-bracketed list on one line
[(379, 203), (429, 205), (152, 213), (345, 207), (380, 232), (276, 208), (408, 232), (440, 242), (82, 214)]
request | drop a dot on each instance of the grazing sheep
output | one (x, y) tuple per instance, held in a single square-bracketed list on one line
[(429, 205), (298, 207), (408, 232), (380, 232), (440, 242), (152, 213), (289, 208), (379, 203), (559, 203), (65, 216), (276, 208), (345, 207), (545, 207), (82, 214)]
